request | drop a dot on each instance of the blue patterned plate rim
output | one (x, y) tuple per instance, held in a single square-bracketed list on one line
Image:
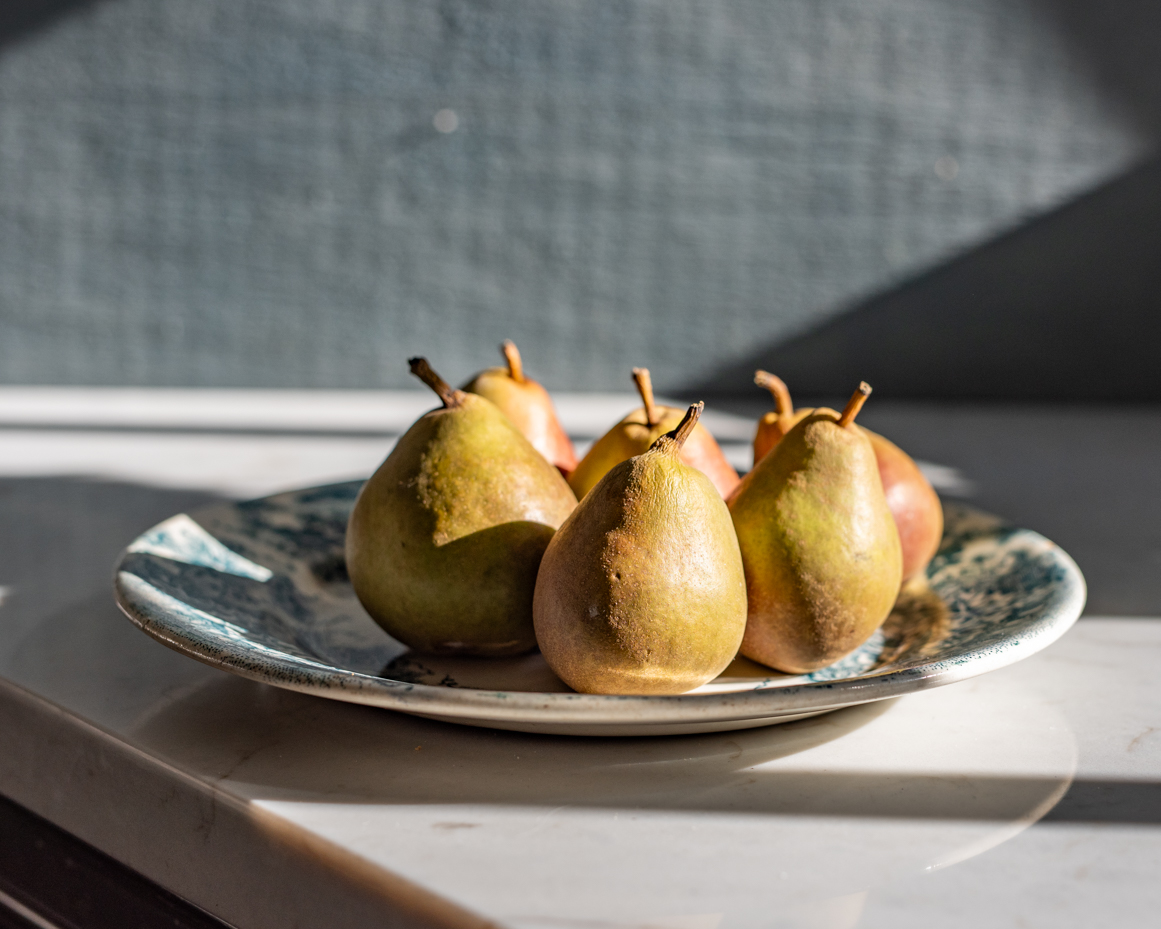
[(258, 589)]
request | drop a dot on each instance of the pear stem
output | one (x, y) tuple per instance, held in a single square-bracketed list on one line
[(645, 388), (781, 393), (858, 398), (512, 356), (672, 441), (422, 370)]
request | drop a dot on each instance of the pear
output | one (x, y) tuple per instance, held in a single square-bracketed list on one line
[(634, 434), (528, 405), (446, 537), (641, 591), (913, 501), (779, 421), (819, 544)]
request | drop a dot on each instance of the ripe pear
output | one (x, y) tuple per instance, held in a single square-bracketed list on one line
[(528, 405), (446, 537), (641, 591), (913, 501), (779, 421), (637, 432), (819, 544)]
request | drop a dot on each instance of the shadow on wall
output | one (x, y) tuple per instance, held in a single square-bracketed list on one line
[(1067, 307), (1118, 43), (20, 17)]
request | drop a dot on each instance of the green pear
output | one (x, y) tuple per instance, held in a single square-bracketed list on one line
[(913, 501), (820, 547), (641, 591), (634, 434), (446, 537)]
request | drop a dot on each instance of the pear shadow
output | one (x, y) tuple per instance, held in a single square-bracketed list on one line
[(918, 623)]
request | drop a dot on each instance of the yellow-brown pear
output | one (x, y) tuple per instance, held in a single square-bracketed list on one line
[(528, 405), (634, 435), (445, 539), (641, 591), (821, 552)]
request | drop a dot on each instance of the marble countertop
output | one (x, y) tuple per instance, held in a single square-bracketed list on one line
[(1027, 797)]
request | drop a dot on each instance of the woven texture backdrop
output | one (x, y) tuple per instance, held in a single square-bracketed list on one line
[(233, 192)]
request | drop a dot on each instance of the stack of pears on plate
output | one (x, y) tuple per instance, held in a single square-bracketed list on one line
[(469, 540)]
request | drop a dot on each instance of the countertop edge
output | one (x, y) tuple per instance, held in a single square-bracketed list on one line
[(240, 863)]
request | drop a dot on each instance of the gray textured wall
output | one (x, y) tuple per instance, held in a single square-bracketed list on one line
[(234, 192)]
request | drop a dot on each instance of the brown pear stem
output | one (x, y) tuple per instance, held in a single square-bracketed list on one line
[(781, 393), (422, 370), (645, 388), (858, 398), (512, 356), (672, 441)]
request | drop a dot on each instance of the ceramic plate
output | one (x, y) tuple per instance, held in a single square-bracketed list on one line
[(260, 589)]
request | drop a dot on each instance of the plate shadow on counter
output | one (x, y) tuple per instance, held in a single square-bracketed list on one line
[(379, 757)]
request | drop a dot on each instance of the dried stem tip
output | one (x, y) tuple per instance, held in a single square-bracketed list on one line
[(858, 398), (779, 390), (422, 370), (677, 437), (512, 355), (645, 388)]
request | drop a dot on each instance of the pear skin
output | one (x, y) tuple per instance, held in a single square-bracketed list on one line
[(637, 432), (641, 591), (445, 539), (821, 551), (913, 501), (528, 405)]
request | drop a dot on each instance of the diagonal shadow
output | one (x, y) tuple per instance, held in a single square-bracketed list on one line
[(1063, 308), (19, 18), (1067, 307), (1118, 42)]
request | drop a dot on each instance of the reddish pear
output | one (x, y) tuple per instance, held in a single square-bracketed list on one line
[(913, 502)]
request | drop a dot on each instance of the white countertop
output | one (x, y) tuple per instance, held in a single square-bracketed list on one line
[(1028, 797)]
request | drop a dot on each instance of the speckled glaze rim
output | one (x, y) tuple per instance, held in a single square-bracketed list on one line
[(157, 614)]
